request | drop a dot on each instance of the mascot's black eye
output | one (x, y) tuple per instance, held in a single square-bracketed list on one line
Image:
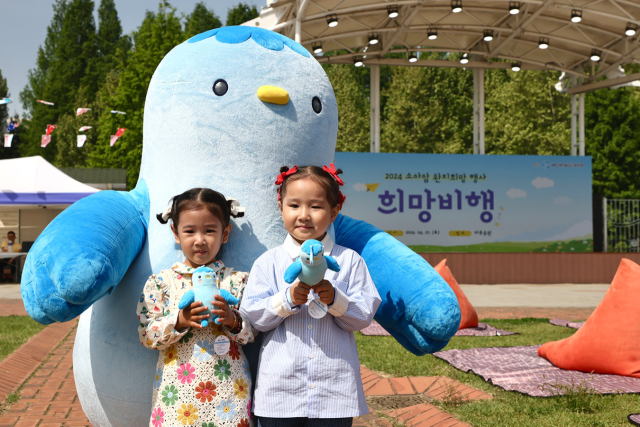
[(220, 87), (316, 104)]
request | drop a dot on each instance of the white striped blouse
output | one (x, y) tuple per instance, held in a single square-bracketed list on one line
[(309, 367)]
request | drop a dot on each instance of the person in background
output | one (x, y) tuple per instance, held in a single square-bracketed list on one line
[(9, 265)]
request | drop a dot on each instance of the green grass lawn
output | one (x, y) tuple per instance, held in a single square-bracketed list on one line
[(15, 331), (580, 245), (384, 354)]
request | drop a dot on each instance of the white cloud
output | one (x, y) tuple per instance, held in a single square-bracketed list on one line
[(360, 187), (542, 183), (564, 200), (516, 193)]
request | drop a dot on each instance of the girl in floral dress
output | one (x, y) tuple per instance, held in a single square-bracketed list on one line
[(195, 382)]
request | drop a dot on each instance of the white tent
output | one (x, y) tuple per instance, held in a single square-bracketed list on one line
[(32, 182)]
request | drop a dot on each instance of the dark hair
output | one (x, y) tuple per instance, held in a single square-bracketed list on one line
[(10, 232), (197, 198), (320, 177)]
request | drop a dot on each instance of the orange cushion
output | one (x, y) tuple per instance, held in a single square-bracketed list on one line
[(469, 317), (608, 342)]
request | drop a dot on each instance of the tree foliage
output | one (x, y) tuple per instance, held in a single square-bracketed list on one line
[(200, 20), (353, 107), (241, 14)]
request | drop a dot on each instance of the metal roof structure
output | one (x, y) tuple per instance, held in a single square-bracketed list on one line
[(585, 39)]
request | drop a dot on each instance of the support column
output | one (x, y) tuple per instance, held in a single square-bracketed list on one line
[(478, 111), (375, 109), (581, 125), (574, 119)]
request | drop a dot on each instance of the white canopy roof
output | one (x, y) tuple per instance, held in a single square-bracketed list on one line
[(33, 181), (602, 30)]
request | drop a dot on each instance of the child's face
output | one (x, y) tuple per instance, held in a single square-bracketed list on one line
[(200, 235), (305, 210)]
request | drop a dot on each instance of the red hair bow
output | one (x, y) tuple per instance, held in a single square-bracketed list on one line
[(332, 171), (283, 175)]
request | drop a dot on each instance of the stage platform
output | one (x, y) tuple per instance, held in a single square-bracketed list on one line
[(531, 268)]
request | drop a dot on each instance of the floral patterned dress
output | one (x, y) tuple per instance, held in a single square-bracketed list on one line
[(194, 385)]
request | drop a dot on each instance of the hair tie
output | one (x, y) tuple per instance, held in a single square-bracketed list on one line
[(283, 175), (235, 208), (332, 171), (167, 214)]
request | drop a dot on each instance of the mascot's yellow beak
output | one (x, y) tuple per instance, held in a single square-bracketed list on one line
[(273, 94)]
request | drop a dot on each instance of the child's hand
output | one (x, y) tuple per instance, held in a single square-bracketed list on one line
[(325, 291), (299, 292), (225, 315), (188, 316)]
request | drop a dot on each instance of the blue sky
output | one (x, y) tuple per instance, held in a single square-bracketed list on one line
[(536, 198), (24, 28)]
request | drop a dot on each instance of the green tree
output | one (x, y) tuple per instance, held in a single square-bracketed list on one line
[(353, 107), (125, 90), (613, 141), (241, 14), (200, 20), (66, 65), (109, 37), (427, 110), (525, 114), (4, 109)]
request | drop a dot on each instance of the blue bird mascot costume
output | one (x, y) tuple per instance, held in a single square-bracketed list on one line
[(247, 101)]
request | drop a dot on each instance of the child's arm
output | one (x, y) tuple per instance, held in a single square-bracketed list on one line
[(354, 307), (157, 325), (244, 332), (262, 304)]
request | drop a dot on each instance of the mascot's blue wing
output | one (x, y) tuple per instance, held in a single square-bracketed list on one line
[(332, 264), (293, 271), (84, 253), (187, 299), (418, 307), (230, 299)]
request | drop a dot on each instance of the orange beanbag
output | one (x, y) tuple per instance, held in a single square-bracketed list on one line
[(469, 317), (608, 342)]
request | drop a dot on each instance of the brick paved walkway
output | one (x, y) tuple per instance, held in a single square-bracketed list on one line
[(10, 307), (49, 398), (520, 312)]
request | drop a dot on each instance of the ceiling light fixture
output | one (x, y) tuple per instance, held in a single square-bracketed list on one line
[(317, 47), (393, 11), (543, 43), (596, 55), (514, 7), (516, 66), (465, 58), (488, 35), (357, 62), (332, 20), (413, 57), (631, 29), (576, 15), (373, 38), (432, 33), (456, 6)]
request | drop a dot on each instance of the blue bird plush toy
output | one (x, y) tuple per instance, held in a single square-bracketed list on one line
[(311, 265), (205, 289)]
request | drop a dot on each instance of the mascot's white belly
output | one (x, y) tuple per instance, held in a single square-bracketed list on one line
[(234, 143)]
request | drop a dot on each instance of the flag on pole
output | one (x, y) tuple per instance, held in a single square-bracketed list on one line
[(81, 140), (44, 102), (117, 112), (50, 129), (83, 128), (7, 140), (81, 111), (118, 134), (4, 101), (13, 126), (46, 139)]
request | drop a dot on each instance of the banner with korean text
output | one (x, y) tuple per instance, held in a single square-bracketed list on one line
[(473, 203)]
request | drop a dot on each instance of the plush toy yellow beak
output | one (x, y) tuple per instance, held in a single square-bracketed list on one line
[(273, 94)]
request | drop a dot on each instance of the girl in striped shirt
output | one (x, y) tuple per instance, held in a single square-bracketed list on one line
[(309, 372)]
